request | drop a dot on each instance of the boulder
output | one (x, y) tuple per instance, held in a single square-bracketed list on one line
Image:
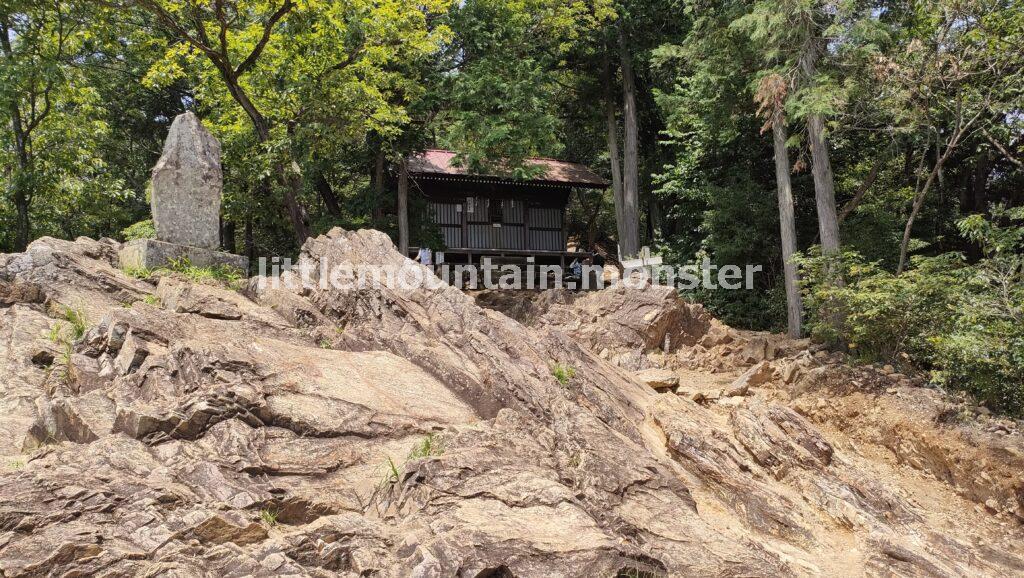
[(753, 377), (658, 379)]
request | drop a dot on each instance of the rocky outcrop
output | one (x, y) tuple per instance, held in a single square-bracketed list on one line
[(166, 427)]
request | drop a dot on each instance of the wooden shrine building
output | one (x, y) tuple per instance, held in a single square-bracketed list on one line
[(501, 218)]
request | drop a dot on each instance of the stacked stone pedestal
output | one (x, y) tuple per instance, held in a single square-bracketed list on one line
[(153, 254)]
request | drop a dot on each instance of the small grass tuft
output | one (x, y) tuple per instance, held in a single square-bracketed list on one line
[(74, 329), (269, 517), (223, 273), (137, 272), (392, 475), (65, 363), (324, 343), (57, 333), (16, 464), (71, 328), (563, 373), (151, 300), (77, 319), (429, 446)]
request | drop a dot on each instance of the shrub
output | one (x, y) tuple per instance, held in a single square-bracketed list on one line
[(964, 323), (141, 230), (877, 314)]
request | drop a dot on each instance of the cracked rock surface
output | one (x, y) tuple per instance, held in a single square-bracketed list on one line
[(161, 427)]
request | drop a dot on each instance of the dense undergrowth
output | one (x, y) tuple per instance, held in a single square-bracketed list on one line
[(963, 322)]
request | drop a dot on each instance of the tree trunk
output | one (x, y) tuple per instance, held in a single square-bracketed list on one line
[(21, 197), (914, 209), (919, 197), (378, 187), (23, 227), (613, 147), (865, 186), (821, 169), (227, 234), (291, 183), (653, 217), (787, 227), (629, 244), (403, 208), (327, 194), (979, 184), (250, 243)]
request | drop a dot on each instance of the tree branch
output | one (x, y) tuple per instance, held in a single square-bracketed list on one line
[(267, 29), (1002, 149), (863, 189)]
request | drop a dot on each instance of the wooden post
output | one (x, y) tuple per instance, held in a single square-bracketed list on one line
[(403, 208), (465, 224), (526, 225)]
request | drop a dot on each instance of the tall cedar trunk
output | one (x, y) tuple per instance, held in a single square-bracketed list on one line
[(787, 226), (613, 146), (22, 198), (629, 244), (403, 208), (821, 168), (23, 227), (378, 187), (323, 188)]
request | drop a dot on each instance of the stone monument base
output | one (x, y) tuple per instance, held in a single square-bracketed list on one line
[(153, 254)]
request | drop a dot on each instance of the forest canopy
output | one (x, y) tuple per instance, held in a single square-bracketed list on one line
[(867, 154)]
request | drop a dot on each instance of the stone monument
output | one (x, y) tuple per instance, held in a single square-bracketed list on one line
[(185, 200)]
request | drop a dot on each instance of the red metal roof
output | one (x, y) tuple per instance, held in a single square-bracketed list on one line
[(439, 162)]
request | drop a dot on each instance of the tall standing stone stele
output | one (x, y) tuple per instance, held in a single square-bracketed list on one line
[(186, 193), (187, 183)]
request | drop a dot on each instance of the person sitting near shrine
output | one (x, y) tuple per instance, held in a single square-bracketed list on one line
[(576, 267), (425, 256)]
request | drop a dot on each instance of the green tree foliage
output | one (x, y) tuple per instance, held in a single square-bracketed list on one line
[(963, 322), (55, 180), (917, 107)]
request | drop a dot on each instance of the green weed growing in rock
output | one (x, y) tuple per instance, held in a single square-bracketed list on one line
[(78, 321), (429, 446), (222, 273), (56, 334), (392, 475), (563, 373), (269, 517), (137, 272)]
